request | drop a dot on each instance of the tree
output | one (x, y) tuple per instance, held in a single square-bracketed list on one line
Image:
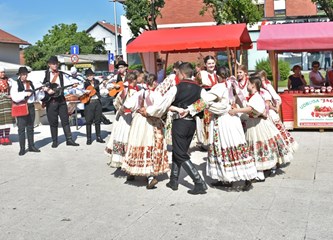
[(142, 14), (231, 11), (326, 6), (58, 41)]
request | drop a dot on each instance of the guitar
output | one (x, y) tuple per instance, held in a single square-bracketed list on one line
[(113, 92), (91, 92), (58, 91)]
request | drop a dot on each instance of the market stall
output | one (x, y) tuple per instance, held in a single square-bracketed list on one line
[(311, 109), (189, 39)]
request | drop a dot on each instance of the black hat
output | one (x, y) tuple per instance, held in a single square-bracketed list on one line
[(121, 63), (22, 70), (89, 72), (53, 59)]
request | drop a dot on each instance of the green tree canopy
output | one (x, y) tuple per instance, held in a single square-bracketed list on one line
[(326, 6), (231, 11), (142, 14), (58, 41)]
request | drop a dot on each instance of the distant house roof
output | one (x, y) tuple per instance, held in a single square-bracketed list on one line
[(107, 26), (5, 37)]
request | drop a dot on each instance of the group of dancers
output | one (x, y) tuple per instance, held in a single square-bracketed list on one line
[(235, 118)]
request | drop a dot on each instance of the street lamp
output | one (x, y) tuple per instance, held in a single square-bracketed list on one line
[(115, 23)]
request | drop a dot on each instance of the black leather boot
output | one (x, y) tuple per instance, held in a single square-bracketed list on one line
[(70, 142), (68, 134), (31, 144), (98, 133), (104, 120), (174, 174), (54, 135), (22, 144), (200, 186), (88, 128)]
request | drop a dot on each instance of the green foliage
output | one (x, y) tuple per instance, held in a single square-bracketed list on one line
[(58, 41), (142, 14), (326, 6), (284, 68), (231, 11), (135, 66)]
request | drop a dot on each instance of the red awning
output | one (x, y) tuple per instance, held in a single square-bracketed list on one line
[(297, 37), (192, 39)]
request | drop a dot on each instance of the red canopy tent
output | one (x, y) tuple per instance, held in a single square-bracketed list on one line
[(192, 39), (189, 39)]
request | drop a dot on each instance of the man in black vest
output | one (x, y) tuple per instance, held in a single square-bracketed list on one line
[(177, 99), (55, 102), (24, 90)]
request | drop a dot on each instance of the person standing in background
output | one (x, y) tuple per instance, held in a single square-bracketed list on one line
[(316, 79), (160, 71), (327, 55), (6, 119), (24, 90)]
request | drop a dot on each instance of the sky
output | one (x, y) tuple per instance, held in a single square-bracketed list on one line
[(30, 20)]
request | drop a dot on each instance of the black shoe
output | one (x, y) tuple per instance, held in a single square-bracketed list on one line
[(54, 145), (248, 186), (22, 152), (221, 184), (100, 140), (172, 185), (152, 183), (257, 180), (70, 142), (89, 142), (107, 122), (33, 149), (199, 188)]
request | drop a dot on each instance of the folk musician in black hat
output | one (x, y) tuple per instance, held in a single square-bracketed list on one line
[(55, 102), (24, 90)]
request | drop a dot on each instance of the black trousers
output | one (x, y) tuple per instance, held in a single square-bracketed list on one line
[(93, 112), (182, 134), (26, 123), (54, 108)]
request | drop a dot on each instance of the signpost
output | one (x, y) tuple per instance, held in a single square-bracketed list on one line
[(75, 50), (75, 58), (111, 61)]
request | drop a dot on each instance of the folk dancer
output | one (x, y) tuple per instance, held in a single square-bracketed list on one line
[(117, 144), (177, 99), (228, 155), (146, 154), (265, 142)]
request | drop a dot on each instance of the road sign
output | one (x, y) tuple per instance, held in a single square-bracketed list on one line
[(75, 49), (75, 58), (110, 58)]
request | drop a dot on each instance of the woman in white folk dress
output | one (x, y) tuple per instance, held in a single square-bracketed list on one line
[(228, 155), (117, 144), (273, 114), (265, 142), (146, 153)]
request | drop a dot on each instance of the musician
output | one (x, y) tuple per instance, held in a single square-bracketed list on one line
[(93, 108), (21, 90), (56, 103), (119, 77)]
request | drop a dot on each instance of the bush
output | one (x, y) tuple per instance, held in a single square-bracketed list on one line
[(284, 68), (135, 67)]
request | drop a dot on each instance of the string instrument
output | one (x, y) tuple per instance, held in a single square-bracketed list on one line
[(113, 92), (86, 96), (58, 91)]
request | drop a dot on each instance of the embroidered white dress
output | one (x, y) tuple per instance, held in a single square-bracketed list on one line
[(146, 154), (117, 143), (264, 139), (275, 118), (228, 154)]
